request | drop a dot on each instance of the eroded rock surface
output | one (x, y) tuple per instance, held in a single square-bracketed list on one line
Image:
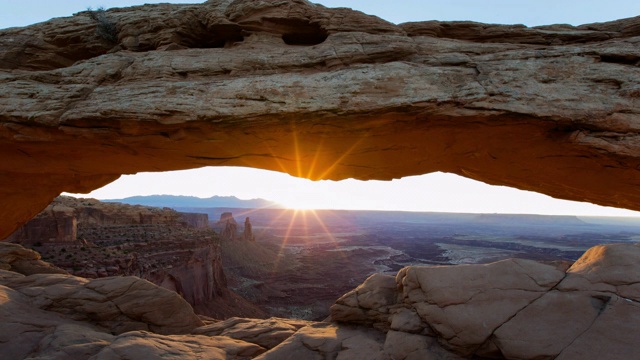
[(513, 309), (24, 261), (267, 333), (119, 304), (315, 92), (59, 316)]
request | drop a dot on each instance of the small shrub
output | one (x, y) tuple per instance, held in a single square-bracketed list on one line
[(106, 28)]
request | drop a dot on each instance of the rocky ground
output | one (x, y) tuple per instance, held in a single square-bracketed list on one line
[(511, 309)]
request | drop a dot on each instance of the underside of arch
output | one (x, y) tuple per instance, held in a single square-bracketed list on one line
[(552, 109)]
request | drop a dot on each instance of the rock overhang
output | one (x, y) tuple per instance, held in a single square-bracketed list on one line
[(318, 93)]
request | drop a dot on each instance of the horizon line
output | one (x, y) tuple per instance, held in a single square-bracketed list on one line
[(279, 206)]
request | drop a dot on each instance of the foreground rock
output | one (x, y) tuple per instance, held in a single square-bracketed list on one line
[(267, 333), (24, 261), (119, 304), (513, 309), (315, 92), (59, 316)]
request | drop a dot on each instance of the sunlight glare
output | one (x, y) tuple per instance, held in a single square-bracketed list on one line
[(435, 192)]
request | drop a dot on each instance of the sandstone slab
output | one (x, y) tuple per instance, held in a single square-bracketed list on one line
[(24, 261), (117, 303), (611, 268), (146, 345), (611, 336), (369, 303), (402, 346), (267, 333), (464, 304), (512, 309), (330, 341)]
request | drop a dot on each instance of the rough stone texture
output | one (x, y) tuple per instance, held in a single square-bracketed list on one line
[(57, 223), (227, 227), (330, 341), (610, 268), (402, 346), (65, 317), (145, 345), (24, 261), (267, 333), (72, 341), (318, 93), (465, 304), (23, 325), (119, 304), (247, 233), (195, 220), (369, 303), (617, 327), (513, 309)]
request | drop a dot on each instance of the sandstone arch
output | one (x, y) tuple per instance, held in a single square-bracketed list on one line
[(551, 109)]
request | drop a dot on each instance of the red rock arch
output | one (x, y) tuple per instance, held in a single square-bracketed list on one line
[(553, 110)]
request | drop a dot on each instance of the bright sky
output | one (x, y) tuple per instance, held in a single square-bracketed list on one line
[(432, 192)]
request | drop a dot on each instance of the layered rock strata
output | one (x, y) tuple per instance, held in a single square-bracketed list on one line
[(58, 223), (247, 233), (227, 227), (175, 250), (315, 92), (16, 258)]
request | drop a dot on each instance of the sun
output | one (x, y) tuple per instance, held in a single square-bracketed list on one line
[(298, 205)]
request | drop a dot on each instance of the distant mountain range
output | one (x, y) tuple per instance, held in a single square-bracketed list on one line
[(176, 201)]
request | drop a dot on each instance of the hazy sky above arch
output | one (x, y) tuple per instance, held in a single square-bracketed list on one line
[(433, 192)]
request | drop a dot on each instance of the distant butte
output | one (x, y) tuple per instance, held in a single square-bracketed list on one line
[(318, 93)]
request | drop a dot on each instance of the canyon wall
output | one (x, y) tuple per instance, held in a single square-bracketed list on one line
[(318, 93), (56, 224), (175, 250), (195, 220)]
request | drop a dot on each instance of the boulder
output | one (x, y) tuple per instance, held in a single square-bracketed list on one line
[(16, 258), (367, 304), (612, 268), (119, 304), (464, 304), (512, 309)]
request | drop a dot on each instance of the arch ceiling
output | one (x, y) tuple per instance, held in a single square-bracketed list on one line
[(318, 93)]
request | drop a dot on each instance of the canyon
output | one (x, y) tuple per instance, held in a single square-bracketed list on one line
[(319, 93), (175, 250)]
